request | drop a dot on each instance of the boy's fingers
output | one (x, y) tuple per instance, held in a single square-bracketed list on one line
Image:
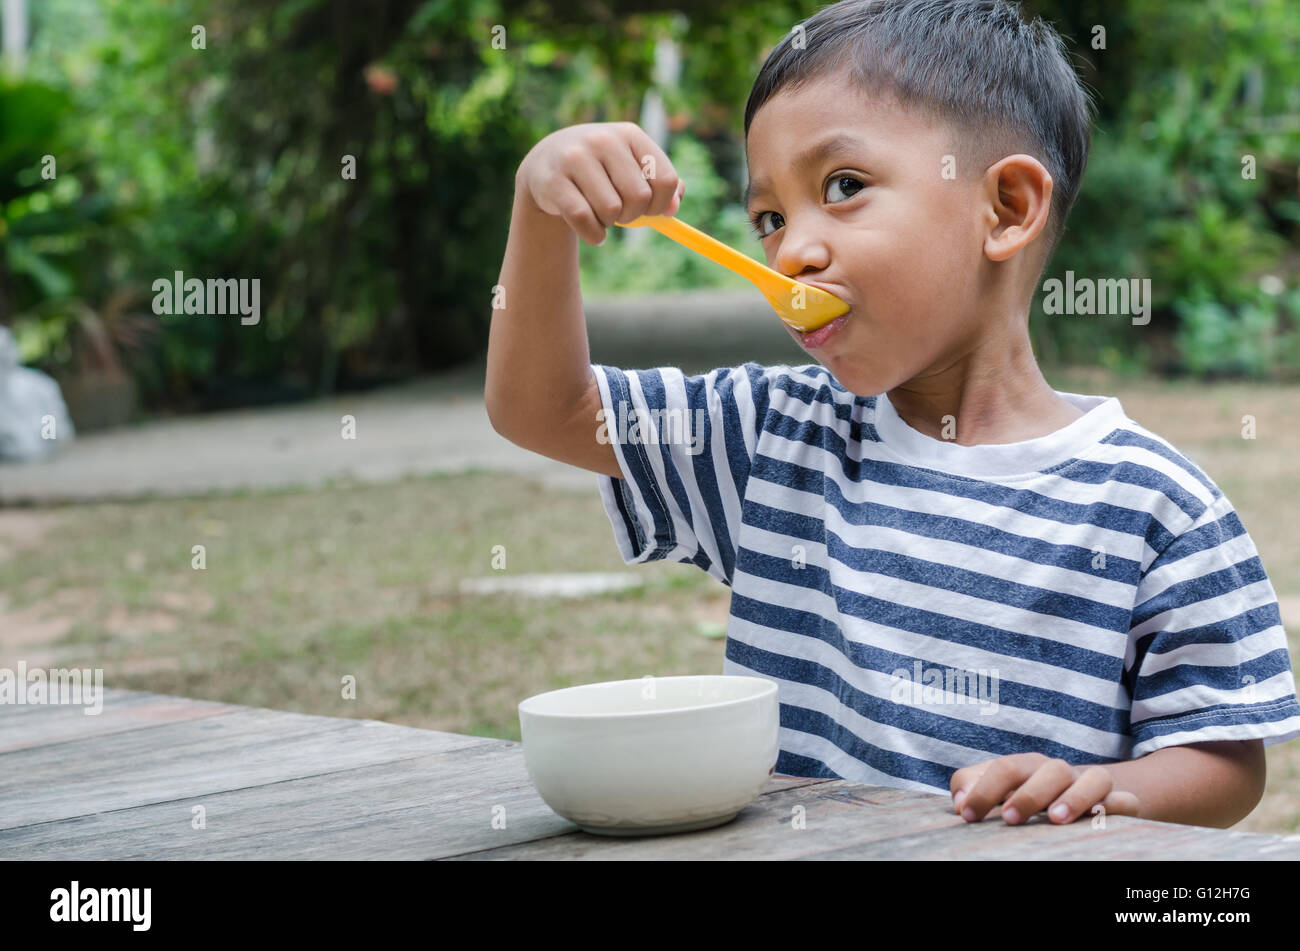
[(1120, 804), (1055, 784), (1093, 786), (962, 780), (656, 168), (593, 182), (668, 191), (1000, 777), (677, 199), (633, 188), (576, 212)]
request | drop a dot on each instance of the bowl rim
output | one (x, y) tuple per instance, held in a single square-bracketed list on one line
[(767, 691)]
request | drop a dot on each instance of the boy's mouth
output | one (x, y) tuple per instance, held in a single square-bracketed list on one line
[(815, 339)]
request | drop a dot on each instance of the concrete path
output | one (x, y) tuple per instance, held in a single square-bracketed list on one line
[(435, 424)]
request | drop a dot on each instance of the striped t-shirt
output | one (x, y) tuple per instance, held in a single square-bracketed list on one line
[(922, 605)]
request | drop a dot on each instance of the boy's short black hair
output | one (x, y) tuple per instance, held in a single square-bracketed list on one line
[(975, 63)]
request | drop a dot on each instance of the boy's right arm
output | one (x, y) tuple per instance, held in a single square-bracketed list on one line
[(540, 391)]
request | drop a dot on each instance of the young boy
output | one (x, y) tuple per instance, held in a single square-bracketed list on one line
[(921, 511)]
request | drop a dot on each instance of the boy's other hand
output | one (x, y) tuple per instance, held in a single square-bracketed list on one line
[(1027, 783), (597, 173)]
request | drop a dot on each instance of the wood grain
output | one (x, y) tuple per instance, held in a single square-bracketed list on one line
[(33, 725), (127, 784)]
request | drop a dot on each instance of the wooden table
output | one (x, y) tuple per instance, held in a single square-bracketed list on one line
[(127, 784)]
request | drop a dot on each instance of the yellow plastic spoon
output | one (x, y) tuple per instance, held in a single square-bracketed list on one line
[(800, 305)]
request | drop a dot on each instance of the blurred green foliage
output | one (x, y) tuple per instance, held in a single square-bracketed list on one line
[(350, 157), (1191, 182), (227, 161)]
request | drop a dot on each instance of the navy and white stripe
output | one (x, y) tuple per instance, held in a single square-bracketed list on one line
[(1096, 574)]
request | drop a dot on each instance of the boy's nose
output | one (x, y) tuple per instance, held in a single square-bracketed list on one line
[(801, 252)]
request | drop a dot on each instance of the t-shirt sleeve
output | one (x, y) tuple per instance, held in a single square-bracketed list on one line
[(1209, 658), (685, 445)]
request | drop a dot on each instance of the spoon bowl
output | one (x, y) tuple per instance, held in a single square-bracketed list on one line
[(799, 305)]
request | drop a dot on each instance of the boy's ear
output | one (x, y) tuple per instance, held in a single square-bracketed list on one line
[(1019, 193)]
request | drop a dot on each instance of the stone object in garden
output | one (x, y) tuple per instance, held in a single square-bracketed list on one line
[(34, 420)]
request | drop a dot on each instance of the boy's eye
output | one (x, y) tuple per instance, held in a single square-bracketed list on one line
[(843, 186), (846, 185), (757, 222)]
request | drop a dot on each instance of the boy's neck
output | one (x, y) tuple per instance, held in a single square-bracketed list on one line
[(993, 390)]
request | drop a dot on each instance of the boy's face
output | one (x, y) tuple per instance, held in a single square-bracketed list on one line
[(875, 222)]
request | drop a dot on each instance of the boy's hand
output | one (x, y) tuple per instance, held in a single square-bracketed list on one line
[(1028, 783), (594, 174)]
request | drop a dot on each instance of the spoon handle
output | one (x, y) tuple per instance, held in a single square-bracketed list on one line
[(710, 247)]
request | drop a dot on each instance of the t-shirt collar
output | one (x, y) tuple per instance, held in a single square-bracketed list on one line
[(1101, 416)]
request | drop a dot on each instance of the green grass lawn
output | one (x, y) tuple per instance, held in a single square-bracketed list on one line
[(304, 588)]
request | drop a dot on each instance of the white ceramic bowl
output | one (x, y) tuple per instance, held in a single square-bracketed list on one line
[(654, 755)]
